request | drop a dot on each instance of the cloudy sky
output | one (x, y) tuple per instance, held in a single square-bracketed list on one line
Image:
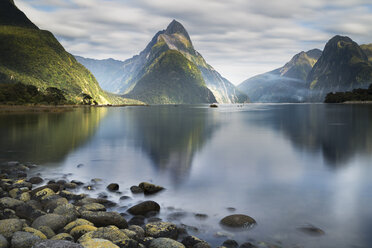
[(239, 38)]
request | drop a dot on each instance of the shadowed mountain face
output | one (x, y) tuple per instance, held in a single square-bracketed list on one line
[(285, 84), (343, 66), (175, 37), (33, 56), (10, 15)]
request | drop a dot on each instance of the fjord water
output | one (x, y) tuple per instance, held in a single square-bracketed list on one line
[(287, 165)]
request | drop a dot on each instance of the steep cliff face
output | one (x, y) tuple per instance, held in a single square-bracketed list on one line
[(343, 66)]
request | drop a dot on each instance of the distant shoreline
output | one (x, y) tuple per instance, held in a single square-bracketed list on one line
[(5, 109)]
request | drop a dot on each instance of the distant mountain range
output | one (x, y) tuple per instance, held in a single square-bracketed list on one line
[(309, 76), (285, 84), (33, 56), (187, 78)]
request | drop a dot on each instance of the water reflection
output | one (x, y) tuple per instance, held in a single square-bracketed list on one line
[(171, 135), (46, 137), (339, 132)]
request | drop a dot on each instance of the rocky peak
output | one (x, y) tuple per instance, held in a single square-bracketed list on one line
[(314, 53), (176, 27)]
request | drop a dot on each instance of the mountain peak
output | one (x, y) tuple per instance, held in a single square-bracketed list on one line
[(176, 27), (10, 15)]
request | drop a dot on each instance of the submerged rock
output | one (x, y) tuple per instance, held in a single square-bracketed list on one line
[(311, 230), (113, 187), (230, 243), (136, 190), (144, 207), (149, 188), (238, 221)]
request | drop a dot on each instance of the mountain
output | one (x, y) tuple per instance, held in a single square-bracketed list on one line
[(125, 78), (285, 84), (172, 78), (367, 49), (343, 66), (33, 56)]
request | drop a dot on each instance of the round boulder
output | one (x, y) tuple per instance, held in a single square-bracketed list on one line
[(57, 243), (110, 233), (24, 240), (79, 231), (35, 180), (149, 188), (161, 230), (10, 226), (3, 242), (165, 243), (144, 207), (92, 207), (100, 218), (238, 221), (73, 224), (94, 243), (54, 221), (68, 210), (113, 187)]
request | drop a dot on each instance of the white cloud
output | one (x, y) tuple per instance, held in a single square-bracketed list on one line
[(239, 38)]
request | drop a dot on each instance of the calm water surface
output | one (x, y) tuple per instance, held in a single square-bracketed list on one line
[(287, 165)]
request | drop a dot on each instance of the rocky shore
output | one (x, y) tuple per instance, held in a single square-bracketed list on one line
[(38, 213)]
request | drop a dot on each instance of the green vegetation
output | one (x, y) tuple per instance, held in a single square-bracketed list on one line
[(34, 57), (367, 49), (171, 78), (358, 95)]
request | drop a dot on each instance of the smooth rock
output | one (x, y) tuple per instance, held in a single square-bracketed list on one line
[(161, 230), (149, 188), (100, 218), (144, 207), (92, 207), (238, 221), (230, 243), (78, 222), (54, 221), (63, 236), (98, 243), (110, 233), (42, 194), (113, 187), (3, 242), (311, 230), (35, 180), (190, 241), (8, 202), (10, 226), (138, 230), (47, 231), (165, 243), (28, 212), (67, 210), (136, 190), (79, 231), (51, 202), (57, 244), (24, 240), (138, 220), (202, 244), (35, 232)]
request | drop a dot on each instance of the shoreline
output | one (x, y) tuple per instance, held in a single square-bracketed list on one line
[(7, 109), (39, 210)]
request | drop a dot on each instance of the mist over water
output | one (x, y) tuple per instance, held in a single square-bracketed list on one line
[(286, 165)]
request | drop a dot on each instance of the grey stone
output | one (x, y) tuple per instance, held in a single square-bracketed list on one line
[(161, 230), (165, 243), (24, 240), (54, 221), (57, 244), (105, 218), (144, 207)]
